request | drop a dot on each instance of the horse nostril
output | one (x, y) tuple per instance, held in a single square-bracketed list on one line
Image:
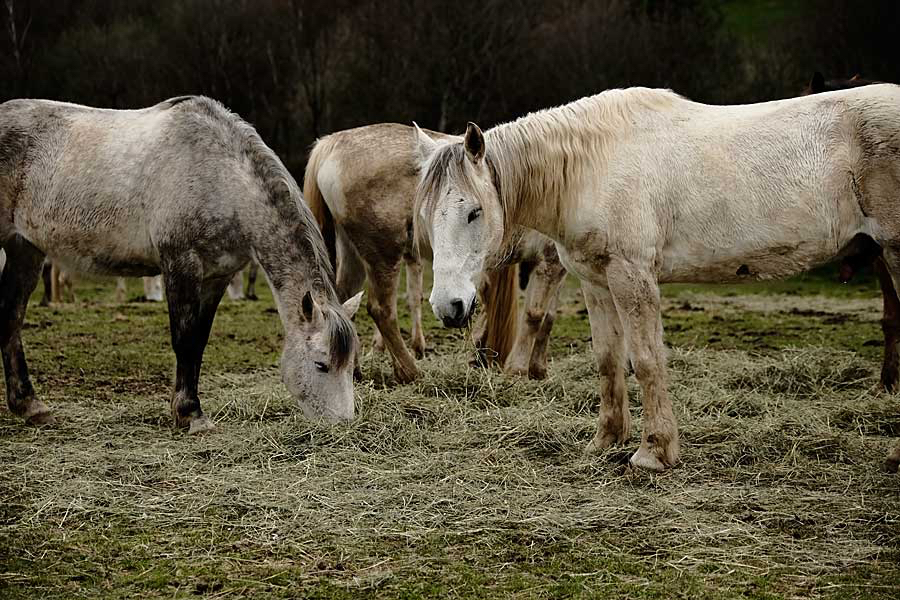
[(459, 309)]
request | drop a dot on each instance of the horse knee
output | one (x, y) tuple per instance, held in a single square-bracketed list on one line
[(646, 366), (377, 310), (534, 318), (891, 327)]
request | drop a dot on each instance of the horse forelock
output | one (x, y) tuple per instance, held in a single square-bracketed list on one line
[(342, 335), (447, 164)]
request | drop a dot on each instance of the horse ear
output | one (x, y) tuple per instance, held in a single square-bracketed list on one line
[(474, 143), (423, 144), (308, 306), (352, 305), (817, 84)]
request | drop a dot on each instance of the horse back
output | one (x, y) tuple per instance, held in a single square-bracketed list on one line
[(368, 177)]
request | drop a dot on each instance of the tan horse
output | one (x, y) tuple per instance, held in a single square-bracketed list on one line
[(360, 184), (639, 187)]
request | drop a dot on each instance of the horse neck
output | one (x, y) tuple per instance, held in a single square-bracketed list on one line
[(291, 253), (533, 175), (543, 160)]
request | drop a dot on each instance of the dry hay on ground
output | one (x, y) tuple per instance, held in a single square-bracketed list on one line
[(466, 482)]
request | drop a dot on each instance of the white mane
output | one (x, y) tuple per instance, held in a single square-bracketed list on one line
[(537, 157)]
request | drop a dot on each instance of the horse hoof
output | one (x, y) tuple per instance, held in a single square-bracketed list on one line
[(42, 418), (601, 442), (646, 460), (892, 463), (201, 424), (38, 413), (537, 373), (517, 370), (406, 375)]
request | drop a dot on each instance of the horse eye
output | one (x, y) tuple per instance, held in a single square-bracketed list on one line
[(322, 367), (476, 212)]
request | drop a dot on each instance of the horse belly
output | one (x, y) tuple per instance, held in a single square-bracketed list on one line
[(118, 243), (690, 262)]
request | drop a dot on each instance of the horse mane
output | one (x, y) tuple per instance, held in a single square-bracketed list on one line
[(280, 186), (538, 156), (285, 196)]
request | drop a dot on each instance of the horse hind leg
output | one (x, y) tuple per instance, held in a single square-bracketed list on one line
[(529, 354), (192, 308), (18, 280), (55, 292), (350, 271), (67, 285), (890, 325), (888, 270)]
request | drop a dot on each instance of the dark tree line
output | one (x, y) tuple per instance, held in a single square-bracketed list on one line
[(299, 69)]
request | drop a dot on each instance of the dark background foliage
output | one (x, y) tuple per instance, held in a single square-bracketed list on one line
[(298, 69)]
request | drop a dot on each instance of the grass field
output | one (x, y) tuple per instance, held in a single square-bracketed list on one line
[(466, 483)]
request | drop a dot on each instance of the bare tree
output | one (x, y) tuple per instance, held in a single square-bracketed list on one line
[(18, 37)]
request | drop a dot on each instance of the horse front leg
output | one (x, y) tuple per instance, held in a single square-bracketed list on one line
[(19, 278), (608, 343), (192, 308), (635, 291), (382, 306), (414, 300)]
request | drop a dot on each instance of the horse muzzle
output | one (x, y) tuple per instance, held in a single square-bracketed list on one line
[(456, 313)]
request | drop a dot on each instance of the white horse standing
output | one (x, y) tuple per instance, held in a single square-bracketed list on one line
[(642, 186)]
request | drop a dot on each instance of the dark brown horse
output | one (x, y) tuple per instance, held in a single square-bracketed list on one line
[(867, 252)]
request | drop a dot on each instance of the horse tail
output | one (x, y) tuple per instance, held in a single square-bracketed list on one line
[(313, 196), (502, 312)]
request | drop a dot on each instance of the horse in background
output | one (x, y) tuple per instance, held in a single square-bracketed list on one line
[(360, 184), (184, 188), (640, 187), (236, 290), (59, 286)]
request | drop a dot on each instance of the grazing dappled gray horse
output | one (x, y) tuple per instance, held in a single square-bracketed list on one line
[(184, 188), (639, 187)]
